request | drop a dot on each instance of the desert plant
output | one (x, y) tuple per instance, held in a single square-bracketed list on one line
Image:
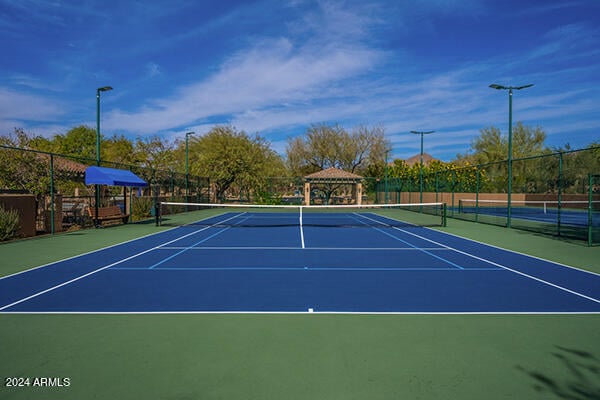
[(9, 223), (141, 208)]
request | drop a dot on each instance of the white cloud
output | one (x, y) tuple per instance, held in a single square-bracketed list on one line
[(268, 74), (28, 107), (333, 62)]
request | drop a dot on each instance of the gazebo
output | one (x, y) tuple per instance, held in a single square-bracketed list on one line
[(334, 177)]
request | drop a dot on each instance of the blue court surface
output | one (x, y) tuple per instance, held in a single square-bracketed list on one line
[(550, 215), (369, 265)]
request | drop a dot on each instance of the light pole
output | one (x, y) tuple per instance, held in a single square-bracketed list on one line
[(187, 171), (101, 89), (421, 165), (510, 94)]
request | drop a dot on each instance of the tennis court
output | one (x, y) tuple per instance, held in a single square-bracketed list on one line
[(573, 213), (312, 262)]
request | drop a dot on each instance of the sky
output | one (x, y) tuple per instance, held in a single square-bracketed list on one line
[(276, 67)]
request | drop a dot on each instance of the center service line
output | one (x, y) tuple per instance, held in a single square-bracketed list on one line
[(301, 230)]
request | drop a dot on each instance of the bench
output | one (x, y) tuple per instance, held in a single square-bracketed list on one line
[(108, 214)]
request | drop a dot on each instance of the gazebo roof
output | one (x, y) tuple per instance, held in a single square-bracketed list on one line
[(333, 175)]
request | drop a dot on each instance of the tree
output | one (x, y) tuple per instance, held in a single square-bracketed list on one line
[(327, 146), (18, 138), (79, 141), (490, 150), (154, 154), (577, 165), (234, 161), (21, 169), (437, 176), (118, 149), (491, 146)]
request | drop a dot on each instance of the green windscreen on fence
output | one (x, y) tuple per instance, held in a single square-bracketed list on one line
[(554, 194)]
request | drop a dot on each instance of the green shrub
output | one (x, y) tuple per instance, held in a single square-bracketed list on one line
[(267, 198), (9, 224), (174, 209), (141, 208)]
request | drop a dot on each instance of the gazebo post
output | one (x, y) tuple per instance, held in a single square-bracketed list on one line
[(307, 193), (334, 176)]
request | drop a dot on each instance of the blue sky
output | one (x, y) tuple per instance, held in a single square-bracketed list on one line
[(275, 67)]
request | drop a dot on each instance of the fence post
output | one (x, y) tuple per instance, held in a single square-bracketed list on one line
[(437, 186), (52, 194), (477, 182), (590, 197), (453, 186), (560, 183)]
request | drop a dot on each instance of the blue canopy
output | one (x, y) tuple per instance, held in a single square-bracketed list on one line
[(112, 177)]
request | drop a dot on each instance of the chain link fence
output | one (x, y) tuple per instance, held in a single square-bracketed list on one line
[(50, 193), (554, 194)]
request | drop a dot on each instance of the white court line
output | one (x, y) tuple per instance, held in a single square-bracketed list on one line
[(301, 313), (520, 253), (104, 267), (494, 263), (86, 253), (97, 250), (311, 248), (343, 269), (496, 247), (410, 244), (301, 230), (184, 249)]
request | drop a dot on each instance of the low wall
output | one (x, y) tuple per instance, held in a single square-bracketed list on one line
[(431, 197), (25, 205)]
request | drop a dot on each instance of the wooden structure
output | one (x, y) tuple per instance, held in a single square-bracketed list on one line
[(334, 178), (108, 214)]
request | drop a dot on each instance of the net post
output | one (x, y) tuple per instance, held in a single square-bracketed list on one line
[(157, 210), (444, 219)]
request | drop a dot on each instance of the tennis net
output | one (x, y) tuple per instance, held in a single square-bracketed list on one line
[(243, 215), (536, 215), (523, 207)]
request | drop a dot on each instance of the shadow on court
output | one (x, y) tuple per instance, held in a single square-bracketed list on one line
[(579, 377)]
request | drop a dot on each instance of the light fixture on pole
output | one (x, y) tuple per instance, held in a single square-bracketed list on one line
[(187, 171), (510, 94), (101, 89), (421, 164)]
